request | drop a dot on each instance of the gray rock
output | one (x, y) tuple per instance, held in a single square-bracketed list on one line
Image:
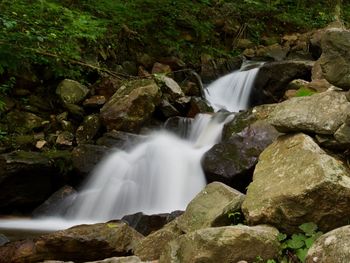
[(321, 113), (223, 244), (88, 129), (332, 247), (295, 182), (71, 91), (131, 259)]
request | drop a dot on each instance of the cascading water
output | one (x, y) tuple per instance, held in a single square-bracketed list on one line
[(161, 174)]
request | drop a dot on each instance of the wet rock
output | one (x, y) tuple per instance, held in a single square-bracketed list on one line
[(167, 109), (86, 156), (275, 52), (119, 139), (159, 68), (224, 244), (79, 243), (321, 113), (295, 182), (57, 203), (232, 161), (72, 92), (146, 224), (198, 105), (131, 106), (273, 78), (3, 240), (20, 173), (131, 259), (335, 58), (87, 131), (169, 87), (331, 247)]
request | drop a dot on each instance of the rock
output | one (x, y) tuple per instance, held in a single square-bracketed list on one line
[(145, 60), (72, 92), (167, 109), (130, 68), (131, 106), (20, 173), (57, 203), (65, 138), (146, 224), (244, 43), (79, 243), (331, 247), (169, 87), (224, 244), (159, 68), (119, 139), (335, 58), (210, 208), (342, 135), (75, 111), (275, 52), (295, 182), (232, 161), (273, 78), (106, 86), (198, 105), (297, 84), (321, 113), (131, 259), (3, 240), (153, 245), (88, 129), (95, 101), (23, 122), (86, 156)]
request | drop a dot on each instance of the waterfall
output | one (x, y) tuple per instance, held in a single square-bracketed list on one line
[(162, 173)]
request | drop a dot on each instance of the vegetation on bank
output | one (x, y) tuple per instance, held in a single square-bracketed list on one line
[(68, 35)]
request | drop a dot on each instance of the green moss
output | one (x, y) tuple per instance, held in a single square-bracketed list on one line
[(303, 91)]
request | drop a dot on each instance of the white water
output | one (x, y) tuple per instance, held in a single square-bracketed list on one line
[(161, 174)]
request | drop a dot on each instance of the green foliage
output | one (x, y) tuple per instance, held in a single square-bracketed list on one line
[(236, 218), (302, 92), (299, 243)]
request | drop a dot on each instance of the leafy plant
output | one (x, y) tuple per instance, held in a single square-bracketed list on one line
[(302, 92), (298, 244), (236, 218)]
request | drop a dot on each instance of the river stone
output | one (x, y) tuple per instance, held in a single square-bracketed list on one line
[(321, 113), (131, 106), (335, 58), (71, 91), (131, 259), (170, 87), (210, 207), (294, 182), (23, 122), (153, 245), (79, 244), (332, 247), (223, 244)]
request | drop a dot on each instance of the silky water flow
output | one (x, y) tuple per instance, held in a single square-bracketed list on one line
[(160, 174)]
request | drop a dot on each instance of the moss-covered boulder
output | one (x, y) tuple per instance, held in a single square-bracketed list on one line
[(88, 129), (79, 244), (224, 244), (71, 91), (131, 106), (294, 182), (331, 247), (23, 122)]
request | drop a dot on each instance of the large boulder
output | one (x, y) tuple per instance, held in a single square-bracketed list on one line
[(321, 113), (335, 58), (232, 160), (71, 91), (224, 245), (294, 182), (131, 106), (130, 259), (209, 208), (273, 78), (23, 122), (331, 247), (79, 244)]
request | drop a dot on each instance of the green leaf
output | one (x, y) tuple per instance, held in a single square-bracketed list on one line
[(281, 237), (309, 228), (296, 242), (301, 254)]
